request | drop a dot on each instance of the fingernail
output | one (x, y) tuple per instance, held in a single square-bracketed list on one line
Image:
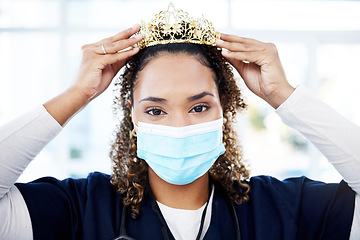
[(135, 25), (219, 41)]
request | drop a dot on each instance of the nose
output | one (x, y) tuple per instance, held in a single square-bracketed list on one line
[(180, 120)]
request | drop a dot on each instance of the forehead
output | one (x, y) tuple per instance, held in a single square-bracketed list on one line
[(174, 75)]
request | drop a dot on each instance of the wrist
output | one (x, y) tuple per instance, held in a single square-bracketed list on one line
[(66, 105), (276, 98), (78, 95)]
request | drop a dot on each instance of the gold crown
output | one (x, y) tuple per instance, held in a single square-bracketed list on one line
[(176, 26)]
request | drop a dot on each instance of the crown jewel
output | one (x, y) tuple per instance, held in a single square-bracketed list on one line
[(176, 26)]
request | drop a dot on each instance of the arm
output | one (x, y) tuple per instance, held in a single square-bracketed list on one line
[(263, 74), (23, 139), (335, 136), (20, 141), (260, 67)]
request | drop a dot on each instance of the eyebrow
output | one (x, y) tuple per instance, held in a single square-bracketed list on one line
[(190, 99), (199, 96), (153, 99)]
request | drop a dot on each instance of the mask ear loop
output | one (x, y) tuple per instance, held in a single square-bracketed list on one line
[(133, 132)]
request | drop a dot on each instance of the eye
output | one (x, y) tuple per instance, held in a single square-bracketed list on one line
[(155, 112), (200, 108)]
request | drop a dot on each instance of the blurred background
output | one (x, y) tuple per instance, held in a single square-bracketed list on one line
[(40, 41)]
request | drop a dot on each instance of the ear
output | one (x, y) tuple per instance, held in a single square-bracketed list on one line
[(129, 104)]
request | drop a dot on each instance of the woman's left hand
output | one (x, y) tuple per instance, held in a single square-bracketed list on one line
[(259, 66)]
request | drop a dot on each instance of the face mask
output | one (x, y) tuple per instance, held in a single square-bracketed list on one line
[(180, 155)]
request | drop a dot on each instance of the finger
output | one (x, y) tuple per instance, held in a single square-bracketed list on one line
[(120, 56), (239, 65), (121, 35), (243, 40), (253, 57), (240, 47), (118, 46)]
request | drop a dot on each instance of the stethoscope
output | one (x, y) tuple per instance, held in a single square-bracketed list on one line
[(123, 233)]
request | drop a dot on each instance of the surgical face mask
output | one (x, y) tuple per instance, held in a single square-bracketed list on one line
[(180, 155)]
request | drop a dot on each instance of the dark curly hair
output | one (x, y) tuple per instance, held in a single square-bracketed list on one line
[(130, 173)]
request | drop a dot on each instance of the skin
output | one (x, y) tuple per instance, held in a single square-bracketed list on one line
[(263, 75), (195, 100), (95, 74)]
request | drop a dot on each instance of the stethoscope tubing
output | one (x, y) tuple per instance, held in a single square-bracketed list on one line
[(123, 233)]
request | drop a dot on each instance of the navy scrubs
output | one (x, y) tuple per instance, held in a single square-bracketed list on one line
[(90, 208)]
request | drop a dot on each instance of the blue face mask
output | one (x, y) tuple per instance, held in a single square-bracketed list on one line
[(180, 155)]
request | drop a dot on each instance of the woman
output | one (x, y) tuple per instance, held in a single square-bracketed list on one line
[(167, 183)]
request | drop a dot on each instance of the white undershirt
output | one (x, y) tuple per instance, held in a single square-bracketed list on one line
[(21, 140), (184, 224)]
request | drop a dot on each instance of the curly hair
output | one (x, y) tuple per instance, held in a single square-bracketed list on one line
[(130, 173)]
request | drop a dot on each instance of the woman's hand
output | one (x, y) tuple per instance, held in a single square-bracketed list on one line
[(96, 71), (259, 66)]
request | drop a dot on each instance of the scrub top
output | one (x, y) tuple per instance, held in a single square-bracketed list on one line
[(90, 208)]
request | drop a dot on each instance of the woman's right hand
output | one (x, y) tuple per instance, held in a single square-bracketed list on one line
[(96, 71)]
